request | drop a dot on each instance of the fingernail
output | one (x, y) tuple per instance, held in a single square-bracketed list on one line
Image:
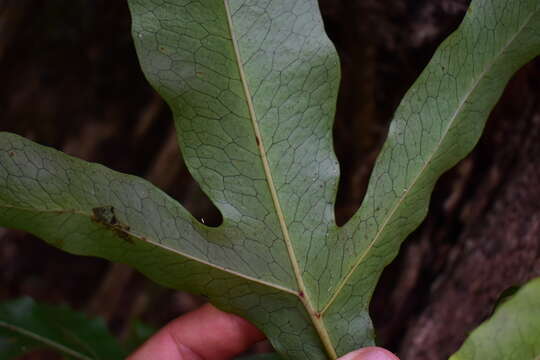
[(370, 353)]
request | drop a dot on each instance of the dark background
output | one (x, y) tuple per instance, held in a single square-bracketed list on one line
[(70, 79)]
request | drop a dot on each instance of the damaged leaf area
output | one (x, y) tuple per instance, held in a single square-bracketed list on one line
[(252, 85)]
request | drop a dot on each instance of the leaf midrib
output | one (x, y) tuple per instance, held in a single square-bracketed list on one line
[(302, 293), (150, 240), (456, 114)]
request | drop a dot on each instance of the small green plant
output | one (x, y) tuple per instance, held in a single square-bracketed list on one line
[(252, 86), (26, 326)]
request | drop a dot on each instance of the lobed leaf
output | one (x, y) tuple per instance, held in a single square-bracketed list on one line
[(513, 332), (252, 85), (63, 200)]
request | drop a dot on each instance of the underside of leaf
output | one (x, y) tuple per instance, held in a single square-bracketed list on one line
[(252, 85)]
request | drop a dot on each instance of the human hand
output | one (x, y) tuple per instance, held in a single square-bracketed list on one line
[(208, 333)]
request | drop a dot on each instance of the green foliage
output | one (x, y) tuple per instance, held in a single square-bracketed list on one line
[(139, 332), (27, 326), (512, 333), (252, 85)]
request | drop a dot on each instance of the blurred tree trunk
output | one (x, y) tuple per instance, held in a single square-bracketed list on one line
[(71, 80)]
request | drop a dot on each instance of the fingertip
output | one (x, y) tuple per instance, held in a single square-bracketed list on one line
[(370, 353), (205, 333)]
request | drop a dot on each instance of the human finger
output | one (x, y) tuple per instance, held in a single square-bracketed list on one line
[(206, 333), (370, 353)]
